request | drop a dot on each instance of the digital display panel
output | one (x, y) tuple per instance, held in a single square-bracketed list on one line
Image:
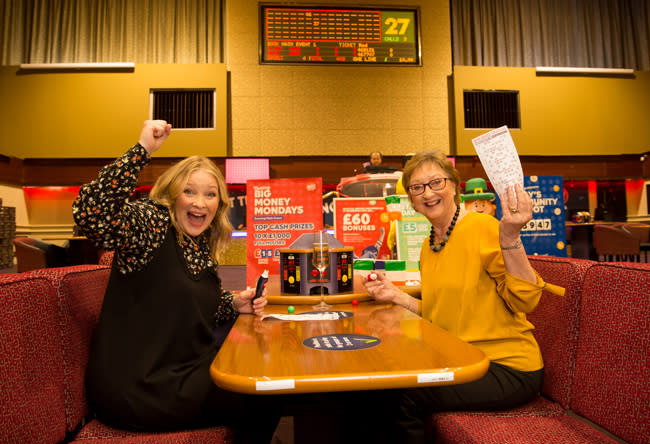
[(242, 170), (339, 35)]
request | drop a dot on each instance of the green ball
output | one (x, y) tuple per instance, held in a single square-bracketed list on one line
[(291, 309)]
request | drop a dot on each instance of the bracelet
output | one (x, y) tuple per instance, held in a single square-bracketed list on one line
[(516, 246), (408, 305)]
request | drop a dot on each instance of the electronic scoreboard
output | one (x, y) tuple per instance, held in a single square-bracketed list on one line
[(339, 35)]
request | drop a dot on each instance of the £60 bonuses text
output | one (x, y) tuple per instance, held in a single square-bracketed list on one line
[(358, 222)]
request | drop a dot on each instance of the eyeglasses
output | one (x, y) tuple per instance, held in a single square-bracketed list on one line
[(435, 185)]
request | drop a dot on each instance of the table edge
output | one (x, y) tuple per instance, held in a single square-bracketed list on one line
[(349, 382)]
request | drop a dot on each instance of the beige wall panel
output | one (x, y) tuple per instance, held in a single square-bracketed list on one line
[(249, 81), (277, 82), (275, 141), (434, 140), (99, 114), (403, 83), (407, 141), (50, 205), (339, 110), (358, 143), (246, 113), (561, 115), (13, 196), (250, 138), (406, 113), (318, 141), (276, 113), (308, 114), (366, 114), (433, 115)]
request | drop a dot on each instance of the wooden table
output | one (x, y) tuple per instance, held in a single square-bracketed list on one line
[(268, 356)]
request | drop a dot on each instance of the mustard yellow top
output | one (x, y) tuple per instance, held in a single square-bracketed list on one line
[(467, 291)]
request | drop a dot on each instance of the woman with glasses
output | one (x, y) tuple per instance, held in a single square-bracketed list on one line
[(477, 283)]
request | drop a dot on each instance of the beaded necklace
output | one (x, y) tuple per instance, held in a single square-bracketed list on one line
[(445, 238)]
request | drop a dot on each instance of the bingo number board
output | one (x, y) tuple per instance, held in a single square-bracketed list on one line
[(339, 35)]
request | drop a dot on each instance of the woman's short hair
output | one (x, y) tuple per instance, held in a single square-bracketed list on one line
[(434, 158), (170, 185)]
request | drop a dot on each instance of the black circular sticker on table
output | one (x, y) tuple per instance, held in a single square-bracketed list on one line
[(341, 341)]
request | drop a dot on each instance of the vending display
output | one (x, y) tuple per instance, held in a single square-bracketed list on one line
[(300, 275)]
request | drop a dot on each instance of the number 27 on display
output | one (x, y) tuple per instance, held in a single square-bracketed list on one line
[(397, 25)]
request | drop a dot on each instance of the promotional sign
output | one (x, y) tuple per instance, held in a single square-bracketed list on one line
[(328, 207), (545, 234), (278, 212), (412, 229), (363, 224), (237, 214)]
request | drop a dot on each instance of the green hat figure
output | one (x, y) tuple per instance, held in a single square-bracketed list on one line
[(477, 198)]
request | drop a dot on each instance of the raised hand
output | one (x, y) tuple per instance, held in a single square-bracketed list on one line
[(516, 213), (153, 134)]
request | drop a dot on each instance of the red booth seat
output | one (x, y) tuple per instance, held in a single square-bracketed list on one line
[(47, 318), (595, 344)]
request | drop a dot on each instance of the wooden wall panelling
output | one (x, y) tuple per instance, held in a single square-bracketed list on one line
[(11, 170), (61, 172)]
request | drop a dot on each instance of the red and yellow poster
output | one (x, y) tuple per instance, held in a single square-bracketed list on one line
[(363, 224), (278, 211)]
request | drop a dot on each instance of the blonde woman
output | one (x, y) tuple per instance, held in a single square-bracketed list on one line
[(152, 348)]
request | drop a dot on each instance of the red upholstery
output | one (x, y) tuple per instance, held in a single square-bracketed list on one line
[(609, 385), (95, 430), (560, 429), (540, 406), (47, 317), (31, 364), (556, 330), (80, 294), (106, 258), (612, 376), (556, 323)]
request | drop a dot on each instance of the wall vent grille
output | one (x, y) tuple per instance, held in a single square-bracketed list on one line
[(184, 108), (491, 109)]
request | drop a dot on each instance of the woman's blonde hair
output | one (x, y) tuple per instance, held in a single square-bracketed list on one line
[(170, 185), (435, 158)]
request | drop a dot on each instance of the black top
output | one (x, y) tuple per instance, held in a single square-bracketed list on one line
[(152, 349), (153, 345)]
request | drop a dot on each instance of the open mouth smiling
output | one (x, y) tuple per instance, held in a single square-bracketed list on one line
[(196, 219), (432, 203)]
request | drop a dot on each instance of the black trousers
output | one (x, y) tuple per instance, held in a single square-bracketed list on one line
[(399, 416), (254, 417)]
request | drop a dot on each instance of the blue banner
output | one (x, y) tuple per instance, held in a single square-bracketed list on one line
[(545, 234)]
